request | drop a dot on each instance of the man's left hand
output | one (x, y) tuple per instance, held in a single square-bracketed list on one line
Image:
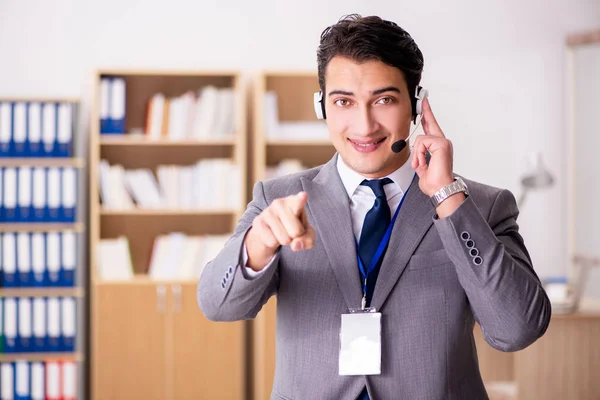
[(438, 173)]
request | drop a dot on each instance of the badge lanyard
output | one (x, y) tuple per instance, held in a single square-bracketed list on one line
[(379, 252)]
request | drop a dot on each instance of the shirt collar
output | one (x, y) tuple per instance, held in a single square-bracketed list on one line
[(351, 179)]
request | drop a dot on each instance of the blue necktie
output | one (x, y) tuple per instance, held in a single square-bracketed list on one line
[(374, 227)]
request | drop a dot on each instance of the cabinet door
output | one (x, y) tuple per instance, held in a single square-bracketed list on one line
[(263, 350), (129, 328), (208, 357)]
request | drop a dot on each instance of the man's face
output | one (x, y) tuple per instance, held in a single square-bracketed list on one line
[(368, 108)]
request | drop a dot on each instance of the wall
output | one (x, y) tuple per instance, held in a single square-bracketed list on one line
[(495, 69)]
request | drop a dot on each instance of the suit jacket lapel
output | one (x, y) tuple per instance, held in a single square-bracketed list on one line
[(413, 221), (329, 205)]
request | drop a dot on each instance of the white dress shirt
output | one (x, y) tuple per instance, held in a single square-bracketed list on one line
[(361, 197)]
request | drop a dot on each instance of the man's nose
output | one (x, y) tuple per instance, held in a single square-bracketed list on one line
[(366, 122)]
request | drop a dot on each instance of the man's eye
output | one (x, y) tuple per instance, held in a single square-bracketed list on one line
[(342, 102), (386, 100)]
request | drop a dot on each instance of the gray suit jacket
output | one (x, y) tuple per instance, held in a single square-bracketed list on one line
[(429, 290)]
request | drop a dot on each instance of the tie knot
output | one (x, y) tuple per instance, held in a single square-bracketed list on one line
[(376, 185)]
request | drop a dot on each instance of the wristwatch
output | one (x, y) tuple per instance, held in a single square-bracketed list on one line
[(455, 187)]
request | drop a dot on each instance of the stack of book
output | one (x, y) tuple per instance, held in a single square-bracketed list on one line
[(175, 256), (205, 114), (208, 184), (50, 380), (36, 129)]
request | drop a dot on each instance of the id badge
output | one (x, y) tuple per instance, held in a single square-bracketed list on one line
[(360, 343)]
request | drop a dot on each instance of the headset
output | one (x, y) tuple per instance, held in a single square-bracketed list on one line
[(416, 106), (416, 103)]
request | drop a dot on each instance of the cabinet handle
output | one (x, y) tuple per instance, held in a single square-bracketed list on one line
[(161, 299), (176, 290)]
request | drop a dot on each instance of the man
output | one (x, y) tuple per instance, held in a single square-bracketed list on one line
[(453, 256)]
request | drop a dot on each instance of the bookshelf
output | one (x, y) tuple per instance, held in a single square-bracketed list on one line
[(143, 326), (42, 247), (283, 112)]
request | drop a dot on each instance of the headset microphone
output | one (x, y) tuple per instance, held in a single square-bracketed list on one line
[(420, 95)]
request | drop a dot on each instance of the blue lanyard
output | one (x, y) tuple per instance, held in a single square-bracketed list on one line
[(382, 245)]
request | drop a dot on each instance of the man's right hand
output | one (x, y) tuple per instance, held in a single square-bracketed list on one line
[(282, 223)]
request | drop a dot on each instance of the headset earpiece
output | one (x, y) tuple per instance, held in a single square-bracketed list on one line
[(319, 105), (420, 95)]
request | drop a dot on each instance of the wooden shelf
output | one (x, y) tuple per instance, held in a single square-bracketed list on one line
[(40, 227), (151, 317), (123, 140), (41, 292), (39, 100), (37, 357), (143, 279), (42, 162), (166, 212)]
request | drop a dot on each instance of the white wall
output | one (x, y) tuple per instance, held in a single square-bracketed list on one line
[(495, 69)]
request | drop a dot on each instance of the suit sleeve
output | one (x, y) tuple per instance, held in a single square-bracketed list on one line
[(226, 292), (496, 272)]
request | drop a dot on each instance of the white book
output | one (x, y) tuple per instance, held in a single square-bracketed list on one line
[(104, 98), (188, 114), (10, 188), (20, 125), (53, 255), (65, 123), (69, 251), (53, 382), (117, 99), (10, 320), (49, 126), (54, 188), (165, 184), (38, 391), (205, 118), (9, 257), (38, 255), (23, 253), (69, 187), (143, 188), (69, 383), (69, 317), (157, 111), (114, 259), (53, 311), (22, 381), (117, 185), (34, 134), (7, 381), (158, 258), (39, 188), (174, 126), (186, 177), (5, 125), (107, 197), (39, 318), (25, 320), (25, 186), (191, 253)]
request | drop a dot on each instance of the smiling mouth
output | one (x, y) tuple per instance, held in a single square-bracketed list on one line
[(367, 147), (367, 144)]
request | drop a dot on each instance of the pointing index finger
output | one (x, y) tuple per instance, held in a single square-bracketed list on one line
[(430, 125)]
